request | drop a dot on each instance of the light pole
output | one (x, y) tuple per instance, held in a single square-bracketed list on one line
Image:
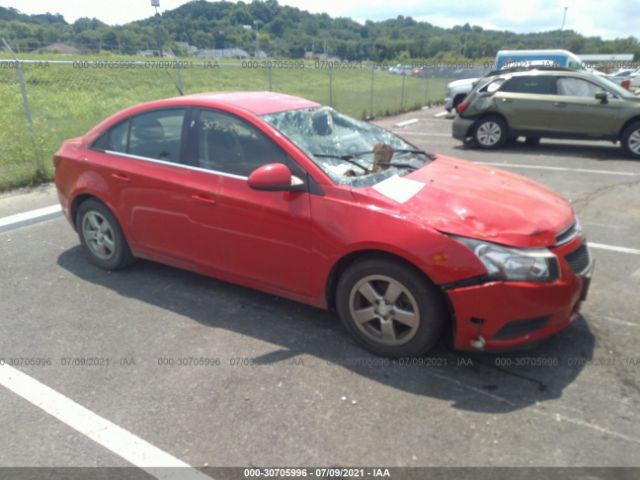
[(156, 5), (564, 18)]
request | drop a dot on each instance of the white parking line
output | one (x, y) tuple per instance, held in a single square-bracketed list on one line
[(558, 169), (30, 215), (407, 122), (132, 448), (621, 322), (613, 248)]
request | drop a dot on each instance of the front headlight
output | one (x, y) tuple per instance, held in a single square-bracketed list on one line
[(504, 263)]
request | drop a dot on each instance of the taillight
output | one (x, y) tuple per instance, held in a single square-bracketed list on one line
[(462, 106), (626, 84)]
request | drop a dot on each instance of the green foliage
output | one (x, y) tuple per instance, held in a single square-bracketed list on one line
[(290, 32)]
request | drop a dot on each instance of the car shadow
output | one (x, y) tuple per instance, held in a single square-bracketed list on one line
[(479, 382), (586, 150)]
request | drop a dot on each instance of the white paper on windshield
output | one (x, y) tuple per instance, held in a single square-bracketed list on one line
[(398, 188)]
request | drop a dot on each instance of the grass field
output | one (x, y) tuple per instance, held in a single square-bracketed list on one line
[(66, 100)]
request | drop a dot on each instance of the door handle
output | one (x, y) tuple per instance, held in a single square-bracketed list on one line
[(204, 199), (560, 104), (506, 100), (120, 177)]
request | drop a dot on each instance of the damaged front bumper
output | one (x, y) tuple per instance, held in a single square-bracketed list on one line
[(500, 315)]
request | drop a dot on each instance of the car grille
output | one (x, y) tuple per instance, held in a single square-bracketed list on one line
[(568, 233), (579, 259)]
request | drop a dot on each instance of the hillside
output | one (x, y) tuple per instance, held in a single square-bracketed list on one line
[(288, 32)]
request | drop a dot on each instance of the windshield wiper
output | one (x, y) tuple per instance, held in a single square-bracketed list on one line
[(399, 165), (344, 158)]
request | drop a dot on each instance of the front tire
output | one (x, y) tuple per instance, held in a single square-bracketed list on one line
[(490, 133), (101, 236), (631, 140), (389, 308)]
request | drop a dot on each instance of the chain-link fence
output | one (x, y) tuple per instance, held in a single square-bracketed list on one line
[(47, 101)]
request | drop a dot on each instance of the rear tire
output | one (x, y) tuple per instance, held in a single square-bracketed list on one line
[(630, 140), (490, 133), (389, 308), (101, 236)]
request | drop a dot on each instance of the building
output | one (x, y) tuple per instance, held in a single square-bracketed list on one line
[(61, 48), (607, 58), (167, 53), (187, 48), (223, 53)]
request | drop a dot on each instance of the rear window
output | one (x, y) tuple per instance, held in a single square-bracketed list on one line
[(538, 84)]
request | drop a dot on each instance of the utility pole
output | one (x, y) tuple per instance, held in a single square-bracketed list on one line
[(156, 5), (564, 18), (256, 25)]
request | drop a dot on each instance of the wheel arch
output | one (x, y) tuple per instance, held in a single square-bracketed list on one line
[(81, 197), (484, 115), (359, 255), (75, 205), (626, 125)]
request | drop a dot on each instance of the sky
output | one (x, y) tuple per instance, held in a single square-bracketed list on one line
[(610, 19)]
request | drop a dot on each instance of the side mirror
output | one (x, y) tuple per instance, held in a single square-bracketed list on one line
[(602, 96), (274, 177)]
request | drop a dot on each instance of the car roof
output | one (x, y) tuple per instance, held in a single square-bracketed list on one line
[(251, 103), (258, 103)]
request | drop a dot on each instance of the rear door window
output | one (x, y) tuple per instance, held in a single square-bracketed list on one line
[(534, 84), (157, 134)]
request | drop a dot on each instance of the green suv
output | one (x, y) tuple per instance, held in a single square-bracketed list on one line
[(554, 103)]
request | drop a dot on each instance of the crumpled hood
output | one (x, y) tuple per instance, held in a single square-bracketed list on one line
[(471, 200)]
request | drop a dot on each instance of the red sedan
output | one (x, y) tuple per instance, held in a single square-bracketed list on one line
[(281, 194)]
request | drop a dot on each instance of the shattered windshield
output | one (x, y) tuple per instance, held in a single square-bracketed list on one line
[(350, 151)]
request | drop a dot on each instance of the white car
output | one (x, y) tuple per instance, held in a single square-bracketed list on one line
[(457, 91), (634, 80)]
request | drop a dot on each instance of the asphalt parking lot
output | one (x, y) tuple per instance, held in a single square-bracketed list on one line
[(212, 374)]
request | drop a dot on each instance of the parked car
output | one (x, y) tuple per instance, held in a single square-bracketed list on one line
[(622, 77), (634, 80), (400, 69), (549, 103), (458, 90), (281, 194)]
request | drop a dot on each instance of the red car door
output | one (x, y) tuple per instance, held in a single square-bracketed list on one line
[(258, 235), (149, 185)]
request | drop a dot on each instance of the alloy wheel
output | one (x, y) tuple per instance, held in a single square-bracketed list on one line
[(489, 133), (384, 310), (634, 142), (99, 236)]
